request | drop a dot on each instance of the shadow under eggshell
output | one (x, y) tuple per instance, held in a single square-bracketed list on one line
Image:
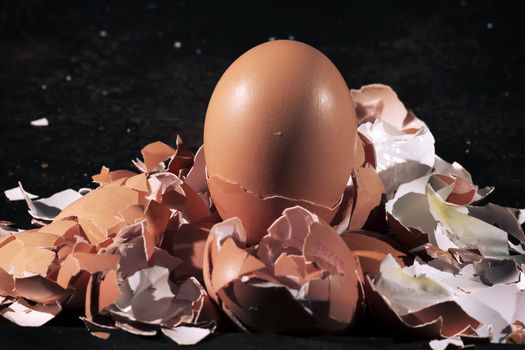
[(292, 317), (188, 243)]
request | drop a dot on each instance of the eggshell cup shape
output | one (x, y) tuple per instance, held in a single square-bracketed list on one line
[(301, 278)]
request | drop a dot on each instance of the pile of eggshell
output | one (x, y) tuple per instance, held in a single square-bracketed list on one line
[(183, 244)]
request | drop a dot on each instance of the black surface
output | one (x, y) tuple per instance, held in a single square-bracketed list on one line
[(458, 65)]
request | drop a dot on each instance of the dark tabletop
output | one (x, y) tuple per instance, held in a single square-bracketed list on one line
[(112, 76)]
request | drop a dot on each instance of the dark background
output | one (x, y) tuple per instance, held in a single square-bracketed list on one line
[(109, 78)]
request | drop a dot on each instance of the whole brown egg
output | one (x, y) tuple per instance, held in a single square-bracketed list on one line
[(280, 131)]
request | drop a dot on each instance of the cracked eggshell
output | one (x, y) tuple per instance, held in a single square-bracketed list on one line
[(480, 302), (111, 238), (414, 303), (420, 213), (445, 319), (367, 196), (379, 101), (188, 244), (361, 205), (97, 211), (403, 143), (257, 213), (301, 279), (280, 126)]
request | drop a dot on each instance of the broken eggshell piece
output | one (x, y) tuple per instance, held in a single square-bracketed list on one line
[(372, 247), (363, 196), (255, 211), (403, 144), (301, 278), (420, 301), (134, 242), (143, 239), (434, 208)]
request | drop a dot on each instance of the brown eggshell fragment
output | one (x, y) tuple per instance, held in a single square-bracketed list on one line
[(64, 228), (88, 262), (113, 238), (371, 248), (367, 197), (454, 320), (196, 177), (109, 290), (438, 258), (41, 290), (366, 153), (31, 238), (280, 123), (403, 144), (7, 283), (302, 278), (156, 152), (98, 210), (91, 305), (258, 213), (138, 183), (163, 258), (174, 193), (106, 176), (182, 159), (341, 220), (22, 261), (464, 181), (188, 244), (361, 202), (196, 208), (419, 214), (92, 231), (157, 217), (4, 240), (78, 285), (462, 192), (234, 262), (492, 271)]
